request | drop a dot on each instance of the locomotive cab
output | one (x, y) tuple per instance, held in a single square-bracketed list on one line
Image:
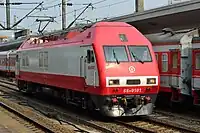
[(131, 80), (128, 73)]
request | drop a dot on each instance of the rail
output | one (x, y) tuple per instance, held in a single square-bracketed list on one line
[(150, 126), (10, 109)]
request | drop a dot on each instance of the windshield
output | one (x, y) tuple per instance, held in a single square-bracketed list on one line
[(140, 53), (115, 54)]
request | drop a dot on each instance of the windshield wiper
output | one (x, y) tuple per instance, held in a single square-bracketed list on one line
[(137, 58), (115, 57)]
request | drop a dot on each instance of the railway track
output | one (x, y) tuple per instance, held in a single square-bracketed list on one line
[(149, 126), (56, 114), (29, 123), (192, 116), (60, 116), (146, 124), (2, 80)]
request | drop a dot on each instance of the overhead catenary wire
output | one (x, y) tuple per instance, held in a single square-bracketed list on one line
[(58, 17), (55, 5), (96, 8), (98, 2), (48, 7)]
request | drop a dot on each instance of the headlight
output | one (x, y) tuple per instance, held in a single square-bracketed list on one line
[(114, 82), (151, 80)]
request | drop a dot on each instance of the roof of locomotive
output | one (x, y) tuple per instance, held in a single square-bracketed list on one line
[(85, 37), (113, 24)]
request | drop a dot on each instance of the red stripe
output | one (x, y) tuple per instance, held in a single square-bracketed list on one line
[(78, 84), (61, 81)]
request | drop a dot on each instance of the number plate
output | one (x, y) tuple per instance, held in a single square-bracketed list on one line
[(134, 90)]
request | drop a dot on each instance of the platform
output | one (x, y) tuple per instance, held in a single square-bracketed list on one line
[(8, 124)]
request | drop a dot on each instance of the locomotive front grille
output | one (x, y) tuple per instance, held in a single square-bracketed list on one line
[(133, 81)]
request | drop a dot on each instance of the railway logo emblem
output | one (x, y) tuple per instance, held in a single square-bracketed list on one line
[(131, 69)]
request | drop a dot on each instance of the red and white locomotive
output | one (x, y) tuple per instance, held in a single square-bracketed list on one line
[(178, 56), (110, 66)]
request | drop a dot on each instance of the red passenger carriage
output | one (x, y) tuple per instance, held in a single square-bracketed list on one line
[(178, 60)]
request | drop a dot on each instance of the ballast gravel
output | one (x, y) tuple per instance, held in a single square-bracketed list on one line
[(57, 128)]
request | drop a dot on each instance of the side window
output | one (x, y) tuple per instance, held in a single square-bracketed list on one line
[(45, 59), (164, 62), (40, 59), (90, 56), (197, 64), (175, 60), (25, 60)]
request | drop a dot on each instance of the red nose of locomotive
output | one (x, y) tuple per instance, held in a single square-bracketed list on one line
[(131, 80), (130, 89)]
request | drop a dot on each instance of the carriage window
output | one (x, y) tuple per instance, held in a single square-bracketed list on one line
[(175, 60), (164, 62), (115, 53), (140, 53), (197, 64)]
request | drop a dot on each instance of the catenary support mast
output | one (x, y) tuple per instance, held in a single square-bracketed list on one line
[(64, 19)]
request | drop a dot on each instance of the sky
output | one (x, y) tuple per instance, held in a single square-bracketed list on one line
[(102, 9)]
